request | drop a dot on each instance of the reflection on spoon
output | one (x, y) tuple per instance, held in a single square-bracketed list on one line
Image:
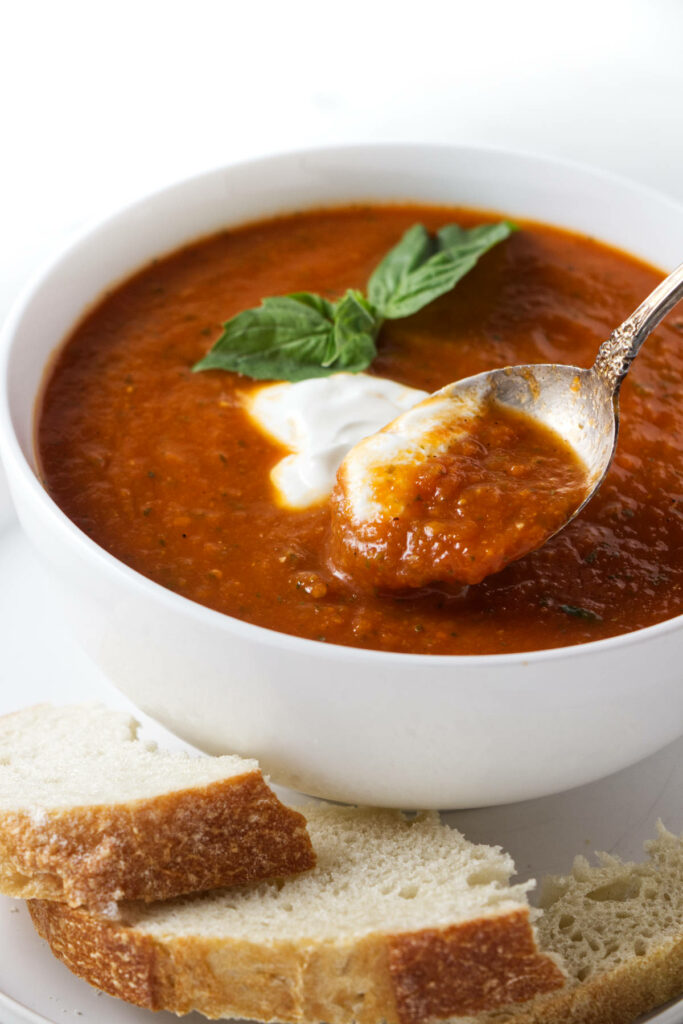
[(487, 469)]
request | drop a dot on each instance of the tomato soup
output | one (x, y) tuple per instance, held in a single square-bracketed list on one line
[(164, 468)]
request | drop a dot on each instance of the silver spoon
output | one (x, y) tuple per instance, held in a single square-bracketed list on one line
[(582, 406)]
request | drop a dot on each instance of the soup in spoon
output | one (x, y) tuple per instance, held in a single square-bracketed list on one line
[(451, 492)]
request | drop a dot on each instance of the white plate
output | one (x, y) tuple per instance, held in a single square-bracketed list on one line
[(40, 662)]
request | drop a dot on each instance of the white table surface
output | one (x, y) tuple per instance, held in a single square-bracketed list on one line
[(103, 102)]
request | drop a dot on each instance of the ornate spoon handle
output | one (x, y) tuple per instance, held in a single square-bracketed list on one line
[(617, 353)]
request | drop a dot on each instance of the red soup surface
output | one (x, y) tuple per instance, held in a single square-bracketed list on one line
[(164, 469)]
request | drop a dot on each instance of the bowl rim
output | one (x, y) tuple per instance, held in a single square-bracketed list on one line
[(12, 452)]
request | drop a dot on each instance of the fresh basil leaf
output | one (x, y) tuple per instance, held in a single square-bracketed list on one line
[(411, 275), (295, 337), (316, 302), (456, 240), (355, 328), (414, 249), (285, 338)]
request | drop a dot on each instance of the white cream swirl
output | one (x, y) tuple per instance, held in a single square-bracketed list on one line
[(320, 420)]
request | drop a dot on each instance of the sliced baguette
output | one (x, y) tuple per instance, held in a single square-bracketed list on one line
[(89, 814), (618, 928), (401, 921)]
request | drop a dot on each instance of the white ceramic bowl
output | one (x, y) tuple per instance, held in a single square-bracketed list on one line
[(366, 726)]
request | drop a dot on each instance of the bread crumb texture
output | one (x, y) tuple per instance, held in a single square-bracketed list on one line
[(89, 814), (618, 928), (401, 921)]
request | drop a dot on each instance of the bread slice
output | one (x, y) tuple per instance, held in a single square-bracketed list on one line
[(402, 920), (619, 930), (90, 814)]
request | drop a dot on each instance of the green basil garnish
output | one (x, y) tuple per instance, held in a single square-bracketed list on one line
[(298, 336), (355, 328), (423, 267)]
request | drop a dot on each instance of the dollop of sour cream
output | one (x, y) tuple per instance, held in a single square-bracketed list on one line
[(320, 420)]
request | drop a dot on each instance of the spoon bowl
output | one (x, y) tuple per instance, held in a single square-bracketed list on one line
[(575, 403), (473, 477), (449, 492)]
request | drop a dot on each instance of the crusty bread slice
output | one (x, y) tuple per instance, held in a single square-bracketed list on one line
[(401, 921), (619, 930), (90, 814)]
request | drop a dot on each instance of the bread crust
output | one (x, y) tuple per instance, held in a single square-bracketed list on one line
[(377, 978), (228, 832), (470, 967), (619, 996)]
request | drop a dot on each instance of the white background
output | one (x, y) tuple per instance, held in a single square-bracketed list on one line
[(101, 102)]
